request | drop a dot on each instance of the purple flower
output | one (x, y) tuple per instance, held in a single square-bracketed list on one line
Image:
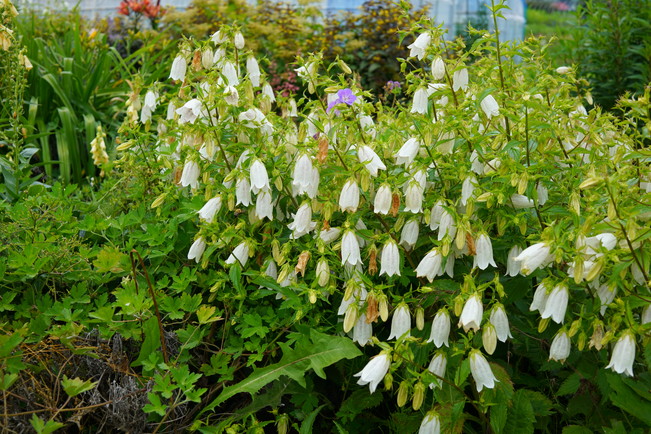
[(393, 85), (344, 96)]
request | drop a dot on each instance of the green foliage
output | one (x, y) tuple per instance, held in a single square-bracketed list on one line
[(614, 48)]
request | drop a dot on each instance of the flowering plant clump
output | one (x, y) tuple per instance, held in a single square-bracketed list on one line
[(136, 10), (489, 232)]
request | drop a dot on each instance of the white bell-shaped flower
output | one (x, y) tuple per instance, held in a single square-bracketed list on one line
[(460, 79), (468, 189), (238, 40), (243, 192), (374, 371), (542, 192), (645, 317), (240, 254), (349, 196), (471, 314), (623, 356), (253, 71), (481, 371), (520, 201), (259, 177), (414, 198), (208, 211), (383, 199), (513, 266), (329, 235), (484, 256), (440, 332), (370, 159), (437, 367), (362, 331), (490, 106), (190, 174), (400, 323), (230, 73), (408, 152), (560, 348), (431, 265), (390, 259), (419, 47), (438, 68), (179, 67), (409, 234), (263, 205), (190, 111), (539, 299), (501, 323), (302, 223), (556, 304), (419, 104), (435, 215), (196, 249), (534, 257), (447, 225), (350, 253)]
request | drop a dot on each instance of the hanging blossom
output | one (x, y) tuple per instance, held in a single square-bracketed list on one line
[(623, 356), (471, 314), (370, 159), (390, 259), (240, 254), (196, 249), (560, 347), (344, 96), (419, 47), (401, 322), (481, 371), (374, 371)]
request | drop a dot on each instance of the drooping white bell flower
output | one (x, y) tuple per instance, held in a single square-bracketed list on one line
[(520, 201), (408, 152), (390, 259), (471, 314), (560, 348), (349, 196), (645, 318), (556, 304), (440, 332), (513, 266), (208, 211), (362, 331), (240, 254), (196, 249), (489, 106), (481, 371), (179, 67), (437, 367), (329, 235), (606, 294), (190, 174), (623, 356), (207, 59), (383, 199), (149, 105), (435, 215), (460, 79), (501, 323), (219, 37), (419, 104), (446, 143), (238, 40), (190, 111), (350, 253), (230, 73), (243, 192), (268, 92), (419, 47), (302, 223), (302, 175), (409, 234), (370, 159), (263, 205), (253, 71), (468, 189), (484, 256), (431, 265), (400, 323), (438, 68), (374, 371), (475, 164), (447, 225), (259, 177), (231, 95), (539, 299), (534, 257), (414, 193)]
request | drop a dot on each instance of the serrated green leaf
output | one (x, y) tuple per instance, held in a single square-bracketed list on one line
[(520, 415), (75, 386), (306, 426), (321, 351), (570, 385), (42, 427), (626, 397)]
